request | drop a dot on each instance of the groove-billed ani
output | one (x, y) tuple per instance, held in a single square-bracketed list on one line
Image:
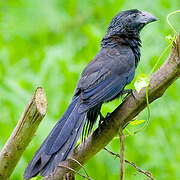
[(102, 80)]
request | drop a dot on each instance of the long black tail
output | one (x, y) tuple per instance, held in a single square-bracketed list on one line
[(59, 143)]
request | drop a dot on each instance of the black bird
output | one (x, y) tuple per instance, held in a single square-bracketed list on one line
[(103, 80)]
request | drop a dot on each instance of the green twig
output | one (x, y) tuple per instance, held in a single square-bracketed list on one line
[(149, 113), (167, 19), (158, 60)]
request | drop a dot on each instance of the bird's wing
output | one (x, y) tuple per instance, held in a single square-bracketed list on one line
[(106, 80)]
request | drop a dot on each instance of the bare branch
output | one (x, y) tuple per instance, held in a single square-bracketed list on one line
[(148, 174), (130, 108), (75, 172), (112, 153), (23, 133), (81, 166)]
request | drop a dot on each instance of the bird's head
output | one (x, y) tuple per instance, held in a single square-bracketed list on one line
[(129, 22)]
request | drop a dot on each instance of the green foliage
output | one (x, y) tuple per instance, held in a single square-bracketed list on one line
[(169, 39), (141, 81), (136, 122), (171, 26), (48, 43)]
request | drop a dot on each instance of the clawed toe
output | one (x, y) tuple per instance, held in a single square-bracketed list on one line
[(128, 92)]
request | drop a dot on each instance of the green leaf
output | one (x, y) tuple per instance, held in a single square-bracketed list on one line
[(141, 82), (34, 178), (169, 39), (136, 122), (129, 132)]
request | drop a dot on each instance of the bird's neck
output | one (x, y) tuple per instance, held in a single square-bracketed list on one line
[(134, 43)]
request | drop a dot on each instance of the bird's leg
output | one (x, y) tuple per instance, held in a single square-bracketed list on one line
[(128, 92)]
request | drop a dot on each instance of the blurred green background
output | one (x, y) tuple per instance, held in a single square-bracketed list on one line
[(48, 43)]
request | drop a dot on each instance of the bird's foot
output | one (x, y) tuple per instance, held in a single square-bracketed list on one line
[(128, 92)]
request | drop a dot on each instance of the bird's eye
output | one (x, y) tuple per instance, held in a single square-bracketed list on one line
[(134, 15)]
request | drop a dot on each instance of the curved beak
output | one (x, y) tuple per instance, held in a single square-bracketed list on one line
[(147, 17)]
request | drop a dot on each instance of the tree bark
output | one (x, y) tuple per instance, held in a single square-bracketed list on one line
[(23, 133), (130, 108)]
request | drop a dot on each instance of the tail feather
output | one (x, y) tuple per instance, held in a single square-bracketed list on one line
[(54, 134), (63, 135), (66, 149), (59, 144)]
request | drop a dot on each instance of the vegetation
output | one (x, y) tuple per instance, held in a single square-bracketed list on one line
[(48, 43)]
